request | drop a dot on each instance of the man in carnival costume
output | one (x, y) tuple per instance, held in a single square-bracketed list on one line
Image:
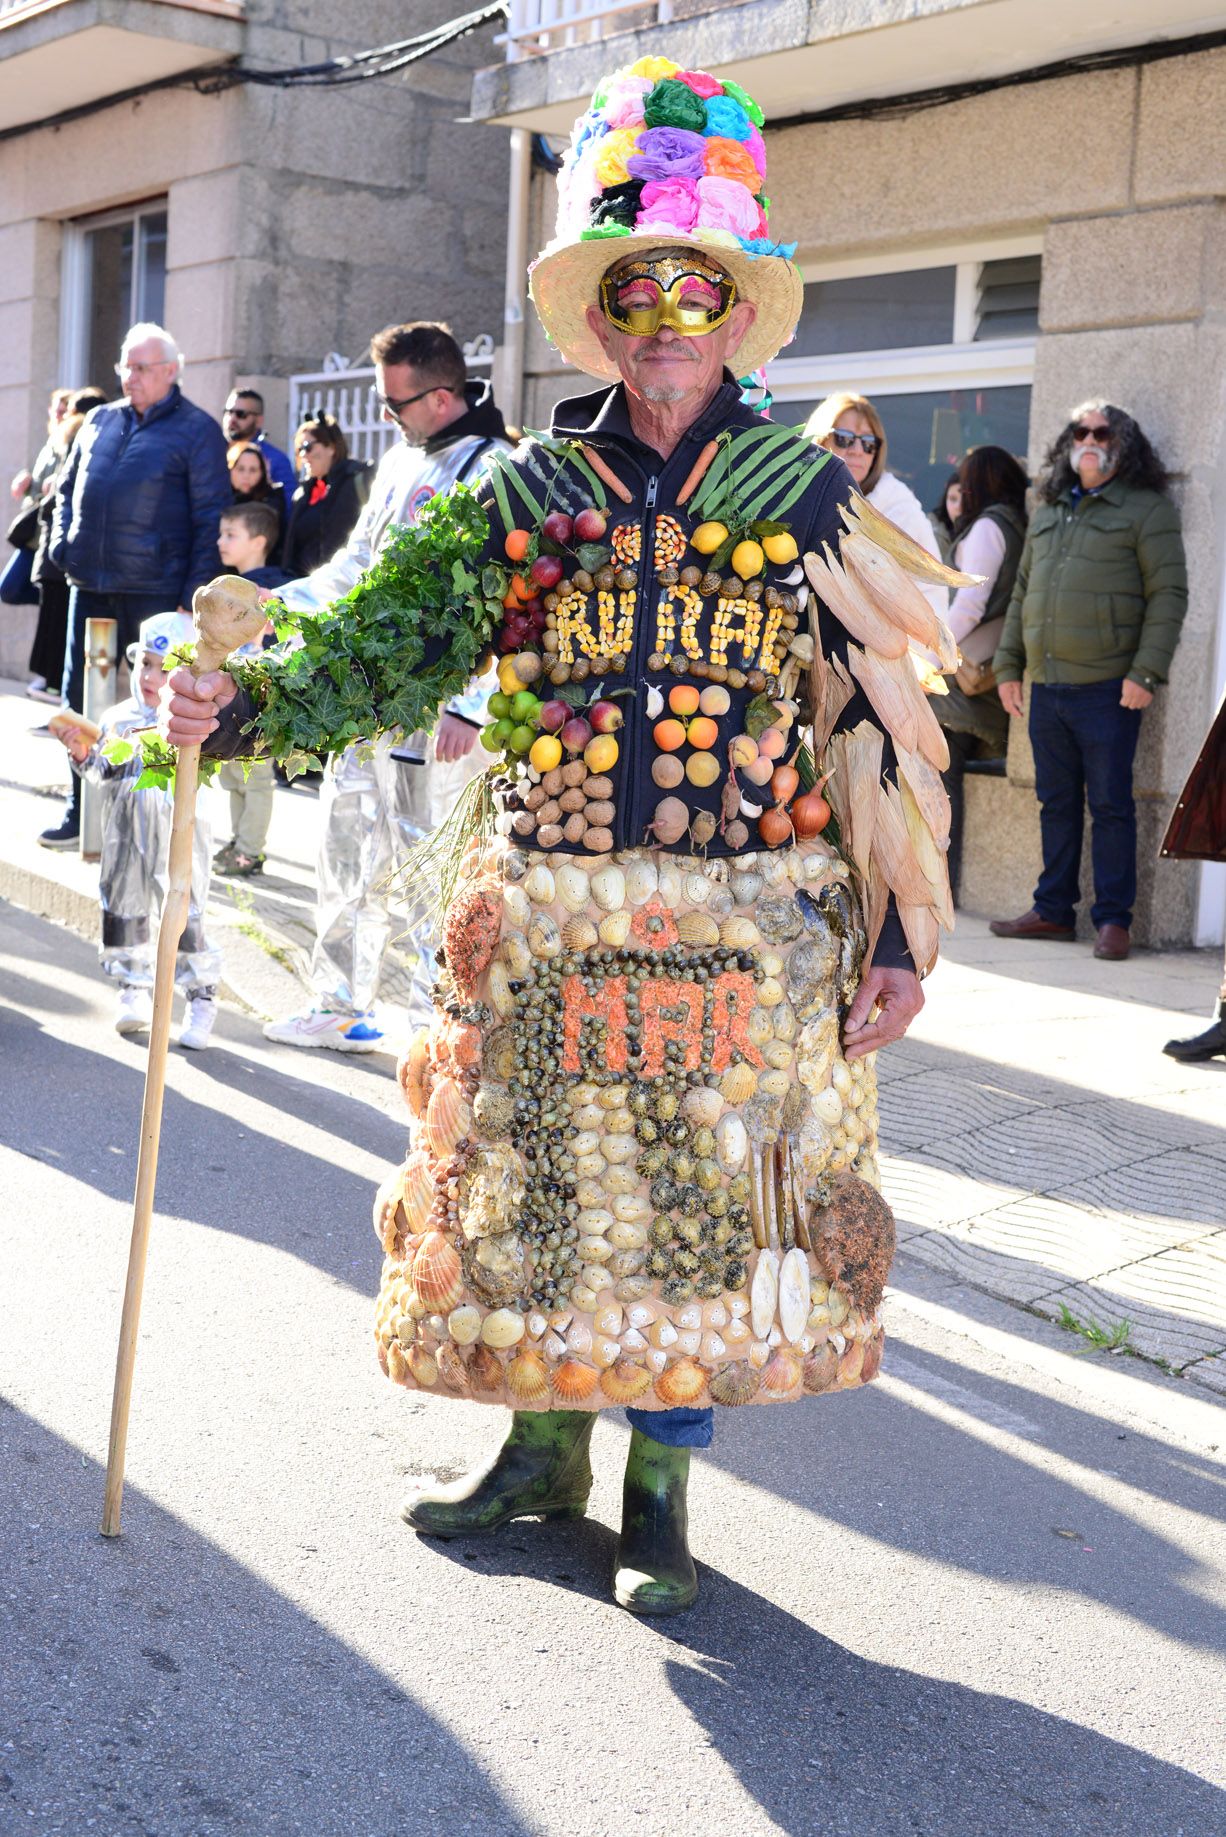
[(644, 1164)]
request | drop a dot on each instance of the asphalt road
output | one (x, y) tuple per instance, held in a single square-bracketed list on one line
[(985, 1596)]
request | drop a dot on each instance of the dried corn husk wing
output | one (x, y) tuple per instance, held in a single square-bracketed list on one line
[(876, 900), (860, 516), (929, 791), (876, 573), (854, 606), (852, 789), (893, 688), (894, 853), (919, 925), (832, 689), (930, 857), (930, 679)]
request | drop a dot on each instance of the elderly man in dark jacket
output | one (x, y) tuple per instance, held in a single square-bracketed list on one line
[(136, 514)]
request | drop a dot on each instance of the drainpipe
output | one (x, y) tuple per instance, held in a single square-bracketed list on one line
[(516, 299), (101, 653)]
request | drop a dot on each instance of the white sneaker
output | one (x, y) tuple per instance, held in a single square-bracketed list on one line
[(324, 1027), (135, 1011), (198, 1022)]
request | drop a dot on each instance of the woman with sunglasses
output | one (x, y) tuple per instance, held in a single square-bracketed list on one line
[(1094, 619), (851, 427), (329, 501)]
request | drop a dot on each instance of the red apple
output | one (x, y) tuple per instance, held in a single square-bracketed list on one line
[(606, 717), (590, 525), (558, 528), (553, 716), (547, 570), (575, 735)]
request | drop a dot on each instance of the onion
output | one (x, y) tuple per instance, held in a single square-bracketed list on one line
[(810, 813), (785, 782), (775, 827)]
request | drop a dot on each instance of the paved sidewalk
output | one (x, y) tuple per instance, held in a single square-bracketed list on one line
[(1039, 1146)]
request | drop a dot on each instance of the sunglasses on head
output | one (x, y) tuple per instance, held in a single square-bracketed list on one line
[(1101, 434), (845, 440)]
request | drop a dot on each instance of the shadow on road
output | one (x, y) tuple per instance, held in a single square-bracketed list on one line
[(155, 1685)]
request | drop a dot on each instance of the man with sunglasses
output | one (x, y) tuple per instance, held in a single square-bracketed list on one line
[(1096, 614), (376, 804), (242, 418)]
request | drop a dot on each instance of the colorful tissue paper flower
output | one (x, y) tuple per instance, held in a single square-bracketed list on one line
[(653, 68), (668, 153), (755, 146), (603, 231), (717, 239), (619, 204), (746, 101), (762, 245), (672, 205), (672, 105), (727, 159), (615, 150), (724, 204), (727, 118), (624, 97), (701, 84)]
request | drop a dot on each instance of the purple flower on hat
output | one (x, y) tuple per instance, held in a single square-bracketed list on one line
[(726, 117), (667, 153), (671, 205)]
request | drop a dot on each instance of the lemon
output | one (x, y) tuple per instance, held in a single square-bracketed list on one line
[(780, 548), (600, 754), (508, 681), (748, 559), (546, 753), (708, 536)]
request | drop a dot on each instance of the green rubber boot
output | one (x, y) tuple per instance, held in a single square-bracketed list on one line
[(655, 1572), (541, 1471)]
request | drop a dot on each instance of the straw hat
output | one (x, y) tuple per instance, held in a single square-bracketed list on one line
[(665, 158)]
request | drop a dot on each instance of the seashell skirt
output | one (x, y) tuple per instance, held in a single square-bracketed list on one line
[(641, 1170)]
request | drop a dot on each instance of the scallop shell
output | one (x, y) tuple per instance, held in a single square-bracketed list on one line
[(746, 888), (579, 934), (437, 1275), (682, 1383), (782, 1372), (544, 938), (515, 953), (739, 1083), (498, 986), (448, 1118), (731, 1140), (501, 1055), (872, 1356), (504, 1327), (615, 926), (794, 1294), (423, 1367), (642, 880), (538, 885), (573, 887), (739, 934), (527, 1377), (625, 1381), (735, 1384), (851, 1365), (493, 1111), (484, 1369), (413, 1072), (464, 1324), (764, 1293), (702, 1107), (398, 1365), (609, 888), (416, 1194), (821, 1369), (697, 928), (451, 1368), (517, 908), (573, 1382)]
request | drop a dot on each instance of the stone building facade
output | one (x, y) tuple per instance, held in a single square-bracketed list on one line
[(266, 227), (980, 264)]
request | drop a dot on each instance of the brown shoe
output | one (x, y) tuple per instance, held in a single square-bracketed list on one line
[(1113, 943), (1032, 924)]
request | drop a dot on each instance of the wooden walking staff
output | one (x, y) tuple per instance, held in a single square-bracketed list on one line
[(227, 614)]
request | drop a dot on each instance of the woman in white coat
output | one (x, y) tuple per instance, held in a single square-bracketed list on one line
[(851, 427)]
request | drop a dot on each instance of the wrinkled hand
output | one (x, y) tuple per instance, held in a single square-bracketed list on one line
[(1132, 695), (898, 997), (453, 739), (1010, 694), (189, 705)]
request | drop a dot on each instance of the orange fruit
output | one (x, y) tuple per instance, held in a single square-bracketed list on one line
[(702, 732), (669, 735), (683, 699), (516, 544), (521, 588)]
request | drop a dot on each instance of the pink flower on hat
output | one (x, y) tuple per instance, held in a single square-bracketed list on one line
[(701, 84), (668, 205), (755, 146), (623, 107), (724, 204)]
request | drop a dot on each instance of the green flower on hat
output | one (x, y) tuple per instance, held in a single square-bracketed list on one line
[(599, 231), (746, 101), (671, 104)]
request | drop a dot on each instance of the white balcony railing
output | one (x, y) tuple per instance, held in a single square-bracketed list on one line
[(12, 10), (550, 25)]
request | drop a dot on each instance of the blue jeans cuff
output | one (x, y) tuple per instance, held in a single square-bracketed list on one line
[(675, 1428)]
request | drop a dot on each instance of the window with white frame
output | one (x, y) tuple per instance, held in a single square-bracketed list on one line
[(941, 340), (114, 275)]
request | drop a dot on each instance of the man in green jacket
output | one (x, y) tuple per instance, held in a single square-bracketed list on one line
[(1095, 616)]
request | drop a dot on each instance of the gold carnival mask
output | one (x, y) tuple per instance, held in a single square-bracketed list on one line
[(685, 292)]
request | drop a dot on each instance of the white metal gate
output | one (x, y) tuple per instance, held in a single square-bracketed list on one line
[(350, 395)]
